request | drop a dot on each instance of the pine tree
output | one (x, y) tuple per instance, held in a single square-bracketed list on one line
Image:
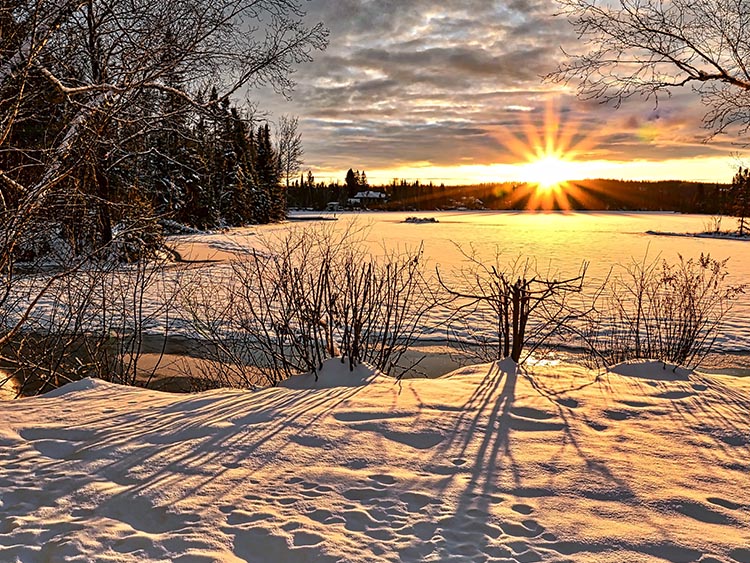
[(243, 178), (260, 198), (268, 174), (352, 182), (740, 199), (173, 158)]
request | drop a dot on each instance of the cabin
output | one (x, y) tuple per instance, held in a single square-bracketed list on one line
[(369, 198)]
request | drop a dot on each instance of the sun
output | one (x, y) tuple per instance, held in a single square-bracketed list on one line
[(548, 171), (547, 150)]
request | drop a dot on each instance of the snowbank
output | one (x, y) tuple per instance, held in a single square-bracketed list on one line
[(335, 373), (486, 464), (651, 369), (86, 384)]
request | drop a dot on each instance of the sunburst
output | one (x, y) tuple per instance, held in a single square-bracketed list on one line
[(548, 170), (547, 153)]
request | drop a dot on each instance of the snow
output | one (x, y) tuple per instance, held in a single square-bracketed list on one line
[(651, 369), (336, 373), (85, 384), (724, 235), (489, 463)]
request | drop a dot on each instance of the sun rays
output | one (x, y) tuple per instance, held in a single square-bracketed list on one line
[(548, 154), (547, 171)]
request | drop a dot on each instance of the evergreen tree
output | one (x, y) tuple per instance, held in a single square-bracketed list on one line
[(267, 206), (99, 117), (239, 211), (352, 182), (262, 197), (172, 147), (740, 199)]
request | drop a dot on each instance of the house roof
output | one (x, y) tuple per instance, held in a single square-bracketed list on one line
[(369, 194)]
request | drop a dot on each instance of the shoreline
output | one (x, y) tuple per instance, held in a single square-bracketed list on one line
[(183, 365), (719, 236)]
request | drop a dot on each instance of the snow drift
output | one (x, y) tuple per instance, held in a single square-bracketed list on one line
[(486, 464)]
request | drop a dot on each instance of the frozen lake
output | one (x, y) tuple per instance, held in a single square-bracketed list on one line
[(559, 242)]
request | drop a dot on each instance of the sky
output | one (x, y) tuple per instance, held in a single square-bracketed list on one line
[(452, 92)]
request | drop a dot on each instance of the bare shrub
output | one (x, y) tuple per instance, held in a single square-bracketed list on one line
[(133, 301), (523, 308), (712, 225), (657, 310), (310, 295), (384, 302), (88, 320), (209, 302)]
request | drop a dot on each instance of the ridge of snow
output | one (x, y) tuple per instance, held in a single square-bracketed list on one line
[(651, 369), (86, 384), (336, 373), (505, 366)]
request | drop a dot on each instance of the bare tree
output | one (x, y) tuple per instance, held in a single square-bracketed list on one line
[(87, 73), (523, 307), (649, 47), (289, 146)]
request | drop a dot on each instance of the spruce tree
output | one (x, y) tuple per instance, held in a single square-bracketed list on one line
[(260, 195), (352, 182), (243, 177), (269, 177), (740, 199)]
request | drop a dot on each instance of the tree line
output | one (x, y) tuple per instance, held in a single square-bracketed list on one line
[(614, 195)]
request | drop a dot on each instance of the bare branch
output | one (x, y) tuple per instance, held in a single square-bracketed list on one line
[(649, 47)]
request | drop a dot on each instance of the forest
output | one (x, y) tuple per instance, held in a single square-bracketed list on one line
[(597, 194)]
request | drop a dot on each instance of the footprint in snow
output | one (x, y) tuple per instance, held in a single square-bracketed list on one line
[(522, 509), (675, 395), (306, 539), (423, 440), (724, 503), (383, 479)]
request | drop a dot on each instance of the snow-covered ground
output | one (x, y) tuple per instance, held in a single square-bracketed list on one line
[(489, 463)]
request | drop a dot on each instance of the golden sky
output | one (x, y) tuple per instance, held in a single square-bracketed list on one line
[(452, 92)]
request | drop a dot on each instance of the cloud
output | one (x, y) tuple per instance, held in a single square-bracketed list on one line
[(419, 81)]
